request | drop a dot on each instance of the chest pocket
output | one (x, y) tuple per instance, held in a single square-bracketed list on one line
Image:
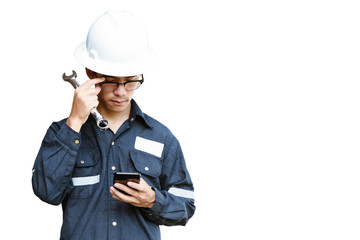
[(86, 174), (148, 165), (85, 164)]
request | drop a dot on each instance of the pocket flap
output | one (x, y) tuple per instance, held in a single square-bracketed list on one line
[(86, 159), (146, 163)]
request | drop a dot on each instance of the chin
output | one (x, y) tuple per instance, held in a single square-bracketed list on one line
[(118, 108)]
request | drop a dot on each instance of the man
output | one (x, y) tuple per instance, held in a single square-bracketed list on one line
[(76, 162)]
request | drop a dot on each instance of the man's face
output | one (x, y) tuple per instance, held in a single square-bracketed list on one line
[(115, 97)]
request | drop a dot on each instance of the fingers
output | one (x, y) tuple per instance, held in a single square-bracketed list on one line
[(115, 193), (127, 189), (97, 89), (138, 186), (91, 91), (89, 83), (140, 194), (87, 98), (86, 91), (88, 95)]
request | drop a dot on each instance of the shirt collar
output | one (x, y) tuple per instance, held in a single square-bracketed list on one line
[(136, 114)]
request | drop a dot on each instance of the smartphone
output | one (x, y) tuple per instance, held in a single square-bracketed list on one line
[(124, 178)]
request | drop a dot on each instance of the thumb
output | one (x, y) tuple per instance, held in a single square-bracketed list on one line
[(98, 89)]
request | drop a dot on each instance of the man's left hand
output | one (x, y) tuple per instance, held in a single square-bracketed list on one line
[(140, 194)]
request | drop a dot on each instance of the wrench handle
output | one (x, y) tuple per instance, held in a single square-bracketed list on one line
[(74, 83)]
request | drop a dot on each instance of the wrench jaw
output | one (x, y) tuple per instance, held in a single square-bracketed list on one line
[(67, 78), (71, 79), (101, 122)]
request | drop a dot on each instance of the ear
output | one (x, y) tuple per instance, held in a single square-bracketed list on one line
[(89, 73)]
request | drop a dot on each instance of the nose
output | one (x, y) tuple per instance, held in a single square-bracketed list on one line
[(120, 90)]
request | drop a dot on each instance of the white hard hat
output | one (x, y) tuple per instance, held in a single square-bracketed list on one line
[(116, 45)]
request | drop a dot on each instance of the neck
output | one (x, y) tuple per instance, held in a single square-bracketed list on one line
[(116, 119)]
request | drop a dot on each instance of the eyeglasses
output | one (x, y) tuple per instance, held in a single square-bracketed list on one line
[(110, 86)]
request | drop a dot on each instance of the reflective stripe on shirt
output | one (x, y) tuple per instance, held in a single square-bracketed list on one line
[(181, 192), (82, 181)]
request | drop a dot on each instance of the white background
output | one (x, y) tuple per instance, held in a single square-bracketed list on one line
[(263, 96)]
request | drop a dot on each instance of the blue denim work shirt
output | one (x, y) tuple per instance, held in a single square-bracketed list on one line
[(76, 170)]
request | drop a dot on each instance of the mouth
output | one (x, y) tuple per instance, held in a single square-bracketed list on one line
[(118, 102)]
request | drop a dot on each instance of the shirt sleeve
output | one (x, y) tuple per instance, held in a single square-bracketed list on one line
[(174, 204), (51, 179)]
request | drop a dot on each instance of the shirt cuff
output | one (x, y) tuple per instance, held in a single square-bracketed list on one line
[(159, 205)]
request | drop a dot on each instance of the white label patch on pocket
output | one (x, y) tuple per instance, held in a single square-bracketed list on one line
[(149, 146)]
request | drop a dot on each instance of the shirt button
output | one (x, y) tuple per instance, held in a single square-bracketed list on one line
[(146, 169), (132, 119), (113, 168), (113, 143), (77, 141), (114, 224), (82, 161)]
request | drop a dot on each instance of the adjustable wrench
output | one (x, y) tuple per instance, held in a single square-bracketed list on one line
[(101, 122)]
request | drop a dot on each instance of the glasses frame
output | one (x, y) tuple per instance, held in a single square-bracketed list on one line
[(124, 83)]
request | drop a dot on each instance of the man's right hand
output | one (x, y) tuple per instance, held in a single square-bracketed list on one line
[(85, 99)]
